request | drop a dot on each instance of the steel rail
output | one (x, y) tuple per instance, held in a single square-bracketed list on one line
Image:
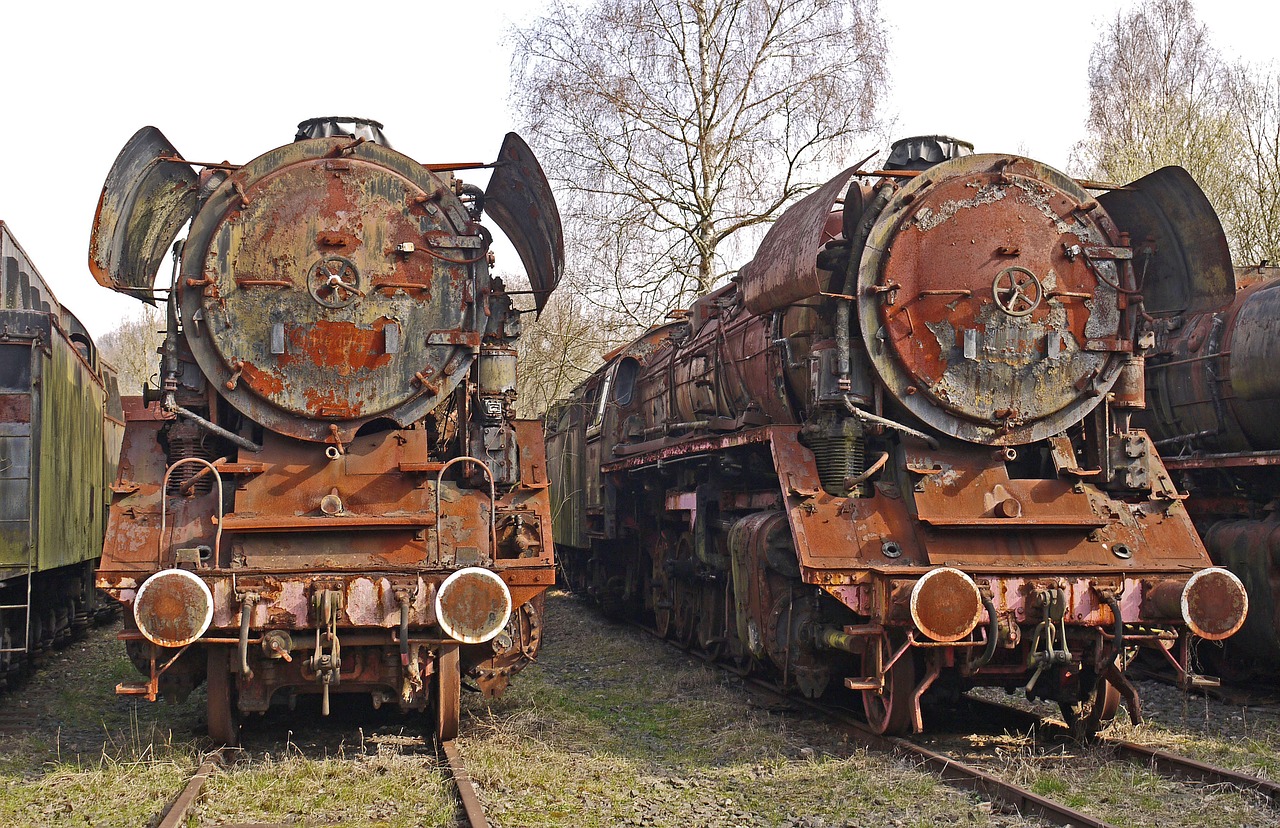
[(176, 815), (473, 815), (1163, 762), (1184, 767), (952, 771)]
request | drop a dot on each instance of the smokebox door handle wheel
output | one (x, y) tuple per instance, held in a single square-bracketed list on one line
[(334, 282), (1017, 291), (448, 693)]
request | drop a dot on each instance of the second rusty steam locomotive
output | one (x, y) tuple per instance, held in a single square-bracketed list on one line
[(897, 453), (1213, 387), (329, 491)]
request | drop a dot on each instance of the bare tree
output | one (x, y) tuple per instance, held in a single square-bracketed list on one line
[(558, 350), (671, 127), (1252, 219), (132, 348), (1160, 94)]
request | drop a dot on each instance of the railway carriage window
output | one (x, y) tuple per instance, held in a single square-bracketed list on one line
[(598, 401), (85, 347), (115, 408), (15, 368), (624, 384)]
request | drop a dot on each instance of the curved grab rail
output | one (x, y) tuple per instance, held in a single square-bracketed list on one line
[(164, 502), (493, 501)]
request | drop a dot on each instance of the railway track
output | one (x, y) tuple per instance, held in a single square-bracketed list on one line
[(1164, 762), (1000, 792), (470, 812)]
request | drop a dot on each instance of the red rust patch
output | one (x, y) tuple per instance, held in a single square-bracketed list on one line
[(341, 345), (265, 383)]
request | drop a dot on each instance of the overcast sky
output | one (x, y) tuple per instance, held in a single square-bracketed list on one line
[(230, 80)]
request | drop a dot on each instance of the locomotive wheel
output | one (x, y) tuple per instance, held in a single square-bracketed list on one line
[(711, 633), (687, 594), (222, 711), (448, 693), (1087, 718), (686, 613), (889, 711), (660, 590)]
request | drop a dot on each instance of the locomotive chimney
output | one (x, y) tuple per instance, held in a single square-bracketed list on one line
[(920, 152), (341, 125)]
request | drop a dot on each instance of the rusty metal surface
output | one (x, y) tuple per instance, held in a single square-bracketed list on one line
[(945, 604), (144, 203), (473, 605), (783, 270), (173, 608), (1213, 383), (296, 274), (1215, 604), (1191, 269), (1249, 548), (519, 200), (981, 307)]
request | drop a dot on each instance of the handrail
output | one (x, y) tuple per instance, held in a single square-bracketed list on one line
[(164, 502), (493, 502)]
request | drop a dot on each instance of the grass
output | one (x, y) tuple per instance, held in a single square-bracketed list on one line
[(613, 728), (608, 728)]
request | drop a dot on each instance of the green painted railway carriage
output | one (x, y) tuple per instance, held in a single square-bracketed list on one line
[(60, 428)]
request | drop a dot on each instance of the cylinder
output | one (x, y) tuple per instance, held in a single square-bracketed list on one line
[(496, 371), (1130, 388)]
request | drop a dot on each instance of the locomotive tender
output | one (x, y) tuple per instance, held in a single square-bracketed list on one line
[(329, 491), (60, 429), (897, 453)]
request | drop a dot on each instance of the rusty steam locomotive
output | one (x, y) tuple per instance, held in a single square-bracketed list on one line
[(329, 491), (897, 453), (1213, 390)]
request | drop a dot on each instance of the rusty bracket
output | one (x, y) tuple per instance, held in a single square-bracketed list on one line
[(237, 368), (891, 291), (335, 434), (1118, 344), (1063, 456)]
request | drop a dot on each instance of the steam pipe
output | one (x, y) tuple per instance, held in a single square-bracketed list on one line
[(844, 306), (868, 417), (993, 633), (242, 442)]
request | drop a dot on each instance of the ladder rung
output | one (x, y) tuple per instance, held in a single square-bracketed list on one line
[(13, 606), (13, 650)]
